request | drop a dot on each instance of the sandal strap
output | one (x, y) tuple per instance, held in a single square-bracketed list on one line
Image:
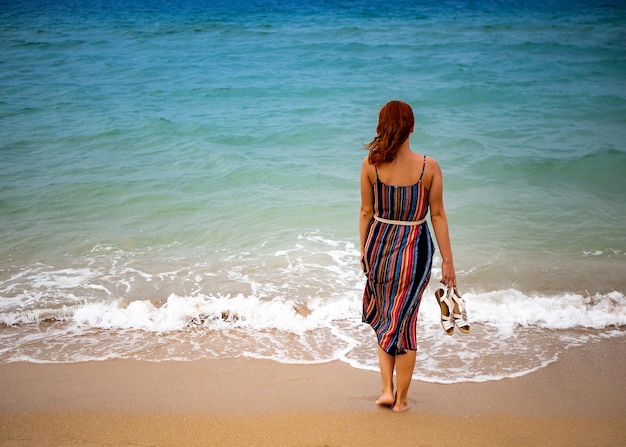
[(447, 321), (460, 318), (457, 299)]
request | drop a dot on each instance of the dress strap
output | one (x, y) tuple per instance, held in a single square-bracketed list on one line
[(423, 168)]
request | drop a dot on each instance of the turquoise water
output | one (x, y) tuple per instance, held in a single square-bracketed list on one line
[(210, 151)]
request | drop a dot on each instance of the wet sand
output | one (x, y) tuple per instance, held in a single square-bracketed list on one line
[(577, 401)]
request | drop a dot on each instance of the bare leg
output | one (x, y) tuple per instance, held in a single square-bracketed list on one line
[(405, 364), (387, 363)]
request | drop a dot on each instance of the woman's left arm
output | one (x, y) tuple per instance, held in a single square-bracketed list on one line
[(367, 203)]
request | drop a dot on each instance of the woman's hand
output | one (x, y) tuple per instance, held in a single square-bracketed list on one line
[(364, 265), (448, 275)]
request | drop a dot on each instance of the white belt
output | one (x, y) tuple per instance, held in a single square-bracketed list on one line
[(400, 222)]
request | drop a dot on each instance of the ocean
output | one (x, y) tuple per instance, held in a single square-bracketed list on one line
[(180, 180)]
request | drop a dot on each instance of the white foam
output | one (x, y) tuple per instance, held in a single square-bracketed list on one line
[(214, 312), (296, 305), (508, 308), (310, 285), (503, 309)]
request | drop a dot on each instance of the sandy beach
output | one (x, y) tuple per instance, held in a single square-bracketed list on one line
[(576, 401)]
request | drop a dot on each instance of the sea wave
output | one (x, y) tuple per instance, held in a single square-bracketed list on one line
[(505, 309), (294, 287), (293, 305), (512, 334)]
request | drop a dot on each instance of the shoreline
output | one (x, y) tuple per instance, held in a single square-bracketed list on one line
[(578, 400)]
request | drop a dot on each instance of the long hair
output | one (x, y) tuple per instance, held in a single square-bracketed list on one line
[(395, 123)]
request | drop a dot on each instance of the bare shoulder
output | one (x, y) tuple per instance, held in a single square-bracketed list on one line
[(368, 169), (366, 165), (432, 162), (432, 166), (432, 171)]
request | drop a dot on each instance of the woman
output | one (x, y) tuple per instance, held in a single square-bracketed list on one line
[(398, 186)]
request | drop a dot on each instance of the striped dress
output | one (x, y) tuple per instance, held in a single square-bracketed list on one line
[(399, 259)]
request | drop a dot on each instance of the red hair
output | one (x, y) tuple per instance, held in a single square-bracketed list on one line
[(395, 123)]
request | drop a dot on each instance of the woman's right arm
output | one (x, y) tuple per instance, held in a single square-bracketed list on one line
[(440, 225)]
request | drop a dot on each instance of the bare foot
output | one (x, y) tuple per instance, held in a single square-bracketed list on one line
[(387, 399), (401, 406)]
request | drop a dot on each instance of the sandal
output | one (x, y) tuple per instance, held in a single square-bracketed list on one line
[(446, 311), (458, 311)]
